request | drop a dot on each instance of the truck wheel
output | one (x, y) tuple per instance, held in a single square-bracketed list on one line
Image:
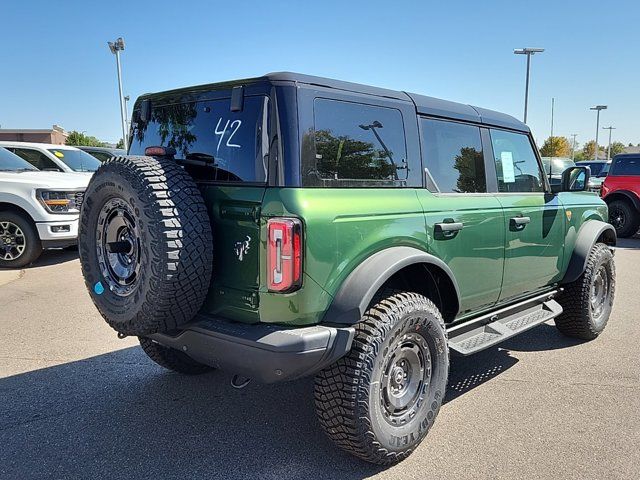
[(587, 302), (379, 401), (624, 218), (145, 245), (19, 241), (172, 359)]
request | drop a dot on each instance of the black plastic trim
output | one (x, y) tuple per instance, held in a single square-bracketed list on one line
[(263, 352), (588, 235), (361, 285)]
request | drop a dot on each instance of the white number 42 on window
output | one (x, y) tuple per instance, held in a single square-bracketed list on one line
[(233, 128)]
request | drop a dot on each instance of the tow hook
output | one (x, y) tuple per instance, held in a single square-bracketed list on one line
[(239, 382), (121, 335)]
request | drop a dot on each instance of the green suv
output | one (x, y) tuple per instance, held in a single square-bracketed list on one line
[(289, 225)]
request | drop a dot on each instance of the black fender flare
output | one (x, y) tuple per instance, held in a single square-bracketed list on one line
[(588, 235), (357, 290), (632, 197)]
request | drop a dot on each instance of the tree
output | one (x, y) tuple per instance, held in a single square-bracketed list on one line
[(80, 139), (556, 147), (120, 144), (617, 148), (589, 150)]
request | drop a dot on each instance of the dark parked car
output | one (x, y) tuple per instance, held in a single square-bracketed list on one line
[(103, 153)]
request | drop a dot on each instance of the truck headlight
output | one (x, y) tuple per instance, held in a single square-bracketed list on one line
[(59, 201)]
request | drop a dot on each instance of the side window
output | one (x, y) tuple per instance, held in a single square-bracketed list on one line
[(626, 166), (453, 156), (516, 163), (358, 145), (37, 159)]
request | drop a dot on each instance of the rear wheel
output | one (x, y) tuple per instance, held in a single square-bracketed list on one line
[(624, 218), (19, 241), (172, 359), (379, 401), (587, 302)]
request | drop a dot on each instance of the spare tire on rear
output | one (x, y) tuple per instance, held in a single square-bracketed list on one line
[(145, 245)]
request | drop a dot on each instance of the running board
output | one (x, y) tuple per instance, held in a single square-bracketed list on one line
[(488, 330)]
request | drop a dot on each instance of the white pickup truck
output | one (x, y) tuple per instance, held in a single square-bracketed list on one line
[(38, 210)]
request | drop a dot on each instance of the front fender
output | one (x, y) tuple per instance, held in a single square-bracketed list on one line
[(358, 289), (588, 235)]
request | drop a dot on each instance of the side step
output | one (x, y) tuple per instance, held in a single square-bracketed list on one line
[(488, 330)]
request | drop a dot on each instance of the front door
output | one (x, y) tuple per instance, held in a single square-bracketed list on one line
[(464, 222), (534, 222)]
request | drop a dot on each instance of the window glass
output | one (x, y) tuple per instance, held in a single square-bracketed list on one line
[(76, 160), (222, 145), (626, 166), (10, 162), (453, 156), (359, 146), (37, 159), (516, 163)]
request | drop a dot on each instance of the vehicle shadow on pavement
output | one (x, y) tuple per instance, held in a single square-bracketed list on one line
[(633, 242), (119, 416)]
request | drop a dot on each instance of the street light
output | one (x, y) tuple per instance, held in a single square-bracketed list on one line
[(597, 108), (528, 52), (126, 110), (573, 146), (609, 147), (116, 47)]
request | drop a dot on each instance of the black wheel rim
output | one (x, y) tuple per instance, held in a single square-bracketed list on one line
[(617, 218), (118, 247), (13, 241), (600, 292), (405, 378)]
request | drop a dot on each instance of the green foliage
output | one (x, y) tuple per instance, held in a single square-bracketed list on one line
[(589, 150), (467, 164), (80, 139), (120, 143), (556, 147), (617, 148)]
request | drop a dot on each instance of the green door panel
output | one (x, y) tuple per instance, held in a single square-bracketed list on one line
[(476, 253), (534, 255)]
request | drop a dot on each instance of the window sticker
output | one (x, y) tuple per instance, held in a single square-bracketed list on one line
[(58, 153), (508, 174)]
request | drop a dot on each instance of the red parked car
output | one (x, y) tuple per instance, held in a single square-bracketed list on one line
[(621, 191)]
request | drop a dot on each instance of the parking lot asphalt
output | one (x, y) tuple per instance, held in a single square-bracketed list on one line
[(76, 402)]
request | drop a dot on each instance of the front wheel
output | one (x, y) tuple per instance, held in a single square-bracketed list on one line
[(587, 302), (379, 401), (19, 241)]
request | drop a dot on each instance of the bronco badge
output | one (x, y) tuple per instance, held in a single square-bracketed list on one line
[(242, 248)]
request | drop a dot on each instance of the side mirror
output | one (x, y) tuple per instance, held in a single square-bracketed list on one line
[(575, 179)]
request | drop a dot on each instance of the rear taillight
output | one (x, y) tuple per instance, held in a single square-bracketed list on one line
[(284, 254)]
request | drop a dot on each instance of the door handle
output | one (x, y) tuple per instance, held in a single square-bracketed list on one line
[(446, 230), (518, 223)]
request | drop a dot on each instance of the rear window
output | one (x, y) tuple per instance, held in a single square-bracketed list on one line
[(626, 166), (223, 146), (358, 145)]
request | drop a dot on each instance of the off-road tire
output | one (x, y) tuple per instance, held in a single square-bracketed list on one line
[(172, 359), (577, 319), (349, 394), (175, 247), (33, 246), (631, 218)]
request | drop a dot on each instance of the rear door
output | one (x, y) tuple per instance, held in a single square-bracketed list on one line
[(464, 222), (534, 221)]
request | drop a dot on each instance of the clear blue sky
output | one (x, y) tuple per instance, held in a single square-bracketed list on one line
[(57, 68)]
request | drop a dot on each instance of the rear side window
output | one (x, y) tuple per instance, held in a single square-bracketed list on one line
[(214, 143), (516, 163), (453, 156), (626, 166), (37, 159), (358, 145)]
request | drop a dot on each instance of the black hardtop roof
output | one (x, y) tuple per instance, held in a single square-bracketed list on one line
[(627, 155), (424, 105)]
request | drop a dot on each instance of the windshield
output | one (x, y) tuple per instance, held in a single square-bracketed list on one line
[(13, 163), (76, 160), (223, 145)]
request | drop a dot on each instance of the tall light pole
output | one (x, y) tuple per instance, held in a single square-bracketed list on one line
[(126, 114), (117, 47), (573, 145), (609, 147), (528, 52), (597, 108)]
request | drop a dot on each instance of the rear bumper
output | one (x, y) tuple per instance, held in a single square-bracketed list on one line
[(262, 352)]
